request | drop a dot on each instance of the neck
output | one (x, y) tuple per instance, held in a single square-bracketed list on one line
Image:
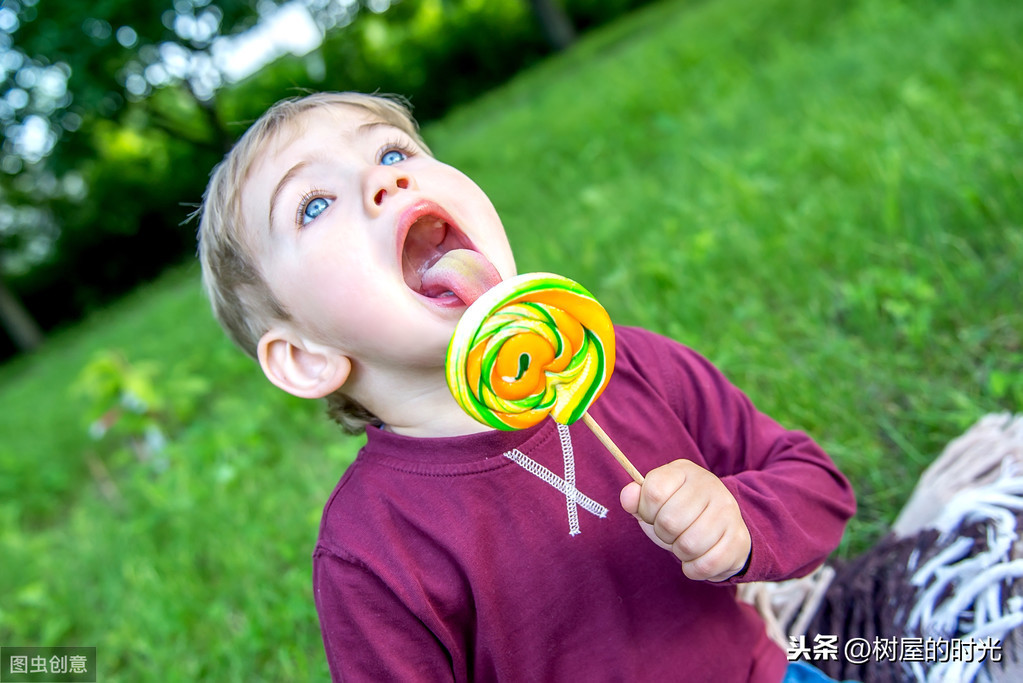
[(416, 404)]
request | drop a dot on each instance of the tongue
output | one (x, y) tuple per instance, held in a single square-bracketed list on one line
[(465, 273)]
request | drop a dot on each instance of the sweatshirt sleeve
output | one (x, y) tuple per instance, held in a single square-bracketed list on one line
[(368, 634), (793, 498)]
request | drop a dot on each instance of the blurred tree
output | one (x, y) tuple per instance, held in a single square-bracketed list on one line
[(554, 22), (17, 321), (107, 108), (98, 101), (17, 245)]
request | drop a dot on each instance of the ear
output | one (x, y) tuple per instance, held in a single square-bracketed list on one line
[(300, 367)]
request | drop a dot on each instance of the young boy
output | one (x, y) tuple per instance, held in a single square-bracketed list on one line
[(340, 253)]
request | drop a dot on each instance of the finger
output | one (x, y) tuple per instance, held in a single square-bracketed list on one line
[(698, 540), (680, 515), (699, 572), (717, 578), (659, 486), (712, 563), (722, 561), (629, 497), (649, 531), (728, 573)]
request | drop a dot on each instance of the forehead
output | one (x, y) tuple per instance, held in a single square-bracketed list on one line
[(342, 122), (306, 136)]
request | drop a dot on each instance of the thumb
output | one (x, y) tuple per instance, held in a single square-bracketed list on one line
[(629, 497)]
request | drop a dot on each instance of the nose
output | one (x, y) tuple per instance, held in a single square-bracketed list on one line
[(383, 183)]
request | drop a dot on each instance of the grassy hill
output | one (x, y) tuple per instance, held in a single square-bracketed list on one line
[(824, 200)]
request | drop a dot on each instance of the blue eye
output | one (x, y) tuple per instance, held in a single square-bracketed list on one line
[(392, 157), (313, 208)]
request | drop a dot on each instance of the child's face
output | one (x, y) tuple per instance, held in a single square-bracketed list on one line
[(348, 217)]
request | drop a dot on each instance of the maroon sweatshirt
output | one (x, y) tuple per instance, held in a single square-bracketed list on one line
[(507, 555)]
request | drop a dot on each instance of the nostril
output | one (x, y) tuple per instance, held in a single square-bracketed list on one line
[(401, 183)]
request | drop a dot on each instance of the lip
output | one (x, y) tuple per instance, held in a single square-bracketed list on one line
[(408, 218), (422, 209)]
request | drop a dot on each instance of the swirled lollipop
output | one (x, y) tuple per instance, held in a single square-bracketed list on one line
[(534, 345)]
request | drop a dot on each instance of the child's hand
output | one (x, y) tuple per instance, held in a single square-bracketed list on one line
[(687, 510)]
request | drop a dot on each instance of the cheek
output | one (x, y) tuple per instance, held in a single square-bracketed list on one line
[(307, 284), (488, 231)]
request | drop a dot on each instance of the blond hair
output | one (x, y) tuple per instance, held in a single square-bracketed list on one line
[(242, 300)]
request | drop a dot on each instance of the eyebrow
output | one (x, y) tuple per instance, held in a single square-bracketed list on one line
[(287, 178), (297, 168), (377, 124)]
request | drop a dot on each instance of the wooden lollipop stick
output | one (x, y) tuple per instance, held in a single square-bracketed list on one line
[(613, 448)]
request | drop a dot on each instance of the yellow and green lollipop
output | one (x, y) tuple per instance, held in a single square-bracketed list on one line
[(534, 345)]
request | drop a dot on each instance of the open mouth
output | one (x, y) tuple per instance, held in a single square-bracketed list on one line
[(439, 262)]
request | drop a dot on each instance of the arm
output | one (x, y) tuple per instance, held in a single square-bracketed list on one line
[(367, 632), (756, 481), (796, 508)]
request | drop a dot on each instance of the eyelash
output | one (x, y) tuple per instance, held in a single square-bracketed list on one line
[(304, 203), (403, 145)]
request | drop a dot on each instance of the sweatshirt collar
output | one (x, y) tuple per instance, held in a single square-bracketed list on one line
[(457, 450)]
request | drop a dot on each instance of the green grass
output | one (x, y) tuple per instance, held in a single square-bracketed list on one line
[(825, 200), (193, 565)]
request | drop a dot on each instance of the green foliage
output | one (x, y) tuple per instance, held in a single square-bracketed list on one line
[(822, 199), (188, 553), (439, 53), (134, 409), (122, 178)]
